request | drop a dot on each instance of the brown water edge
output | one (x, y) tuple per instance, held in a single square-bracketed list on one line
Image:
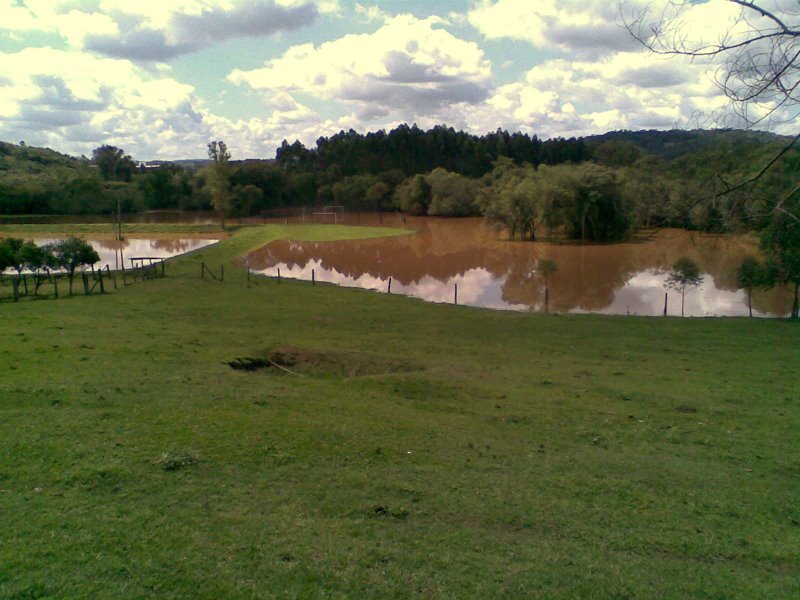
[(625, 278)]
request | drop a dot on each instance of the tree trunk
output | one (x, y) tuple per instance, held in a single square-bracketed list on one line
[(750, 301), (795, 305), (683, 297)]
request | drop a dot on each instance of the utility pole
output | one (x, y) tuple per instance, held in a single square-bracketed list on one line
[(119, 219)]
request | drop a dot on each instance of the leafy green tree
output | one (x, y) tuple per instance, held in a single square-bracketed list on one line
[(646, 187), (596, 210), (113, 163), (6, 254), (781, 241), (32, 257), (685, 274), (376, 195), (247, 199), (752, 274), (513, 197), (10, 250), (271, 179), (452, 195), (71, 253), (218, 180), (161, 187), (23, 256), (419, 196)]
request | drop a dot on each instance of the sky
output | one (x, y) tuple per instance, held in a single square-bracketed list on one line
[(161, 78)]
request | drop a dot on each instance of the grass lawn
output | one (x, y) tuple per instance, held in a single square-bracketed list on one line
[(421, 450)]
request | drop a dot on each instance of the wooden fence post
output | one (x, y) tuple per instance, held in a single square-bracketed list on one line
[(455, 294), (389, 290), (102, 287), (85, 283), (313, 278), (279, 275), (665, 304)]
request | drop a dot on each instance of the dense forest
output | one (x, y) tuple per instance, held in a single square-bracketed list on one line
[(593, 188)]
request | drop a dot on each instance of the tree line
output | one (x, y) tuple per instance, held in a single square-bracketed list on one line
[(66, 255)]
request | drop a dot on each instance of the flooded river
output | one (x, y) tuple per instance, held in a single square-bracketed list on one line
[(115, 254), (492, 272)]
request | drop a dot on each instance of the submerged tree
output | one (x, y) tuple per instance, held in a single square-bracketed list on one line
[(760, 75), (750, 275), (781, 239), (219, 175), (546, 267), (685, 274)]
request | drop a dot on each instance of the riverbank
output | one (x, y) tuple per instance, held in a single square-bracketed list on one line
[(468, 453)]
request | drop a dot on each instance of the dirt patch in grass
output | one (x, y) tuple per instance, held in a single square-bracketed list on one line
[(293, 360)]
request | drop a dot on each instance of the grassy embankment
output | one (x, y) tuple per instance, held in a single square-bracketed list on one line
[(522, 454)]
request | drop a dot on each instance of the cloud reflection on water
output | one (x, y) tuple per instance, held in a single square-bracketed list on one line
[(490, 272)]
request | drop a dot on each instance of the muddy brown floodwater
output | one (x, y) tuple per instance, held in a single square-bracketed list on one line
[(115, 254), (625, 278)]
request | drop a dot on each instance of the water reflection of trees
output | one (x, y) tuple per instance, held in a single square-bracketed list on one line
[(588, 278), (178, 246), (109, 244)]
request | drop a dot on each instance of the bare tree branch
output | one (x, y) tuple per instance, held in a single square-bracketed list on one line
[(760, 70)]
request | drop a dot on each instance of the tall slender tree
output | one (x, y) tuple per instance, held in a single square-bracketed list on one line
[(685, 274), (219, 176)]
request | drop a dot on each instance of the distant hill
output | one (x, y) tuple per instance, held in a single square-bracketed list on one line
[(677, 143), (30, 159)]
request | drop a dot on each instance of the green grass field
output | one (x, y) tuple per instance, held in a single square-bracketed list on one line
[(421, 451)]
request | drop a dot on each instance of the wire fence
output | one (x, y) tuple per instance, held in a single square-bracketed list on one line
[(43, 285)]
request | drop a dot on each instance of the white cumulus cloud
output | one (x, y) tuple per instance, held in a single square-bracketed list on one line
[(409, 65), (154, 30)]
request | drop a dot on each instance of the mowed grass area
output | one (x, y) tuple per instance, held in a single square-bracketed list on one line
[(521, 455)]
